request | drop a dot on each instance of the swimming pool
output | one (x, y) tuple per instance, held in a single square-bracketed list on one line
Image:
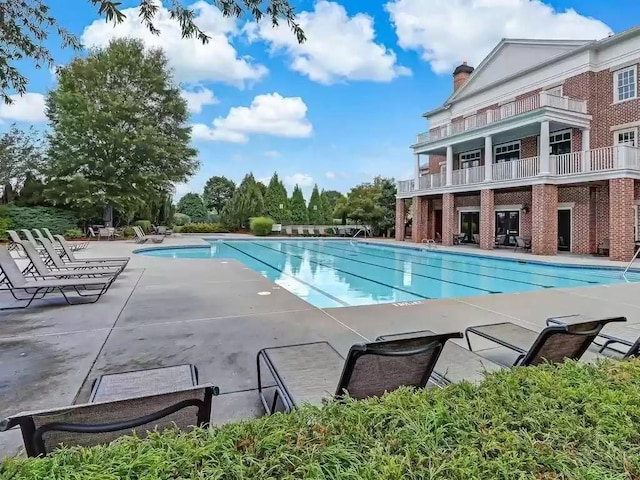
[(335, 273)]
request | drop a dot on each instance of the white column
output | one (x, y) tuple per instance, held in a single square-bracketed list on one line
[(586, 145), (449, 172), (416, 173), (488, 158), (545, 167)]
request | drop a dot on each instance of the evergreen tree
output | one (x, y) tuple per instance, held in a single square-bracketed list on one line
[(247, 202), (316, 214), (32, 192), (327, 211), (276, 203), (299, 214), (191, 204)]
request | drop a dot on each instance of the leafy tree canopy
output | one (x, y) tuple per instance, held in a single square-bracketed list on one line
[(370, 203), (332, 197), (217, 192), (276, 203), (191, 204), (247, 202), (316, 213), (32, 192), (26, 27), (119, 134), (21, 152), (327, 211), (299, 214)]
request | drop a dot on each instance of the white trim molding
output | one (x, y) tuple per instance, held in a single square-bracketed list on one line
[(569, 206)]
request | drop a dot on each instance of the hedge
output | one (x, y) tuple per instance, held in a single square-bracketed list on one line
[(261, 226), (203, 228), (55, 219), (572, 421)]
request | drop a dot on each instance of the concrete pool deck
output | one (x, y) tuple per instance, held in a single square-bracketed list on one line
[(217, 314)]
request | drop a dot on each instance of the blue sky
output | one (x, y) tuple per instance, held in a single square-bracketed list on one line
[(347, 104)]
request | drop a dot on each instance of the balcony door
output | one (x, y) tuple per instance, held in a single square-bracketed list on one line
[(508, 224), (469, 225), (507, 152), (560, 142)]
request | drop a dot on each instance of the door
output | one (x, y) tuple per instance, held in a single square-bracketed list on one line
[(564, 230), (469, 225), (508, 224), (438, 224)]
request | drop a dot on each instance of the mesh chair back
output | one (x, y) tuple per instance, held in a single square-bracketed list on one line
[(47, 232), (29, 236), (375, 368), (10, 269), (65, 247), (557, 343), (38, 233), (51, 251), (99, 423), (35, 258), (13, 236)]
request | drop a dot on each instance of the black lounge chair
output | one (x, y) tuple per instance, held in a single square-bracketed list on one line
[(307, 373), (72, 257), (455, 364), (21, 289), (520, 346), (99, 423)]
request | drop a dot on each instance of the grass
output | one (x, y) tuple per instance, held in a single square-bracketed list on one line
[(572, 421)]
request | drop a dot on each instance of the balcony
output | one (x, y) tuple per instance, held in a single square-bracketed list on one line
[(504, 112), (593, 164)]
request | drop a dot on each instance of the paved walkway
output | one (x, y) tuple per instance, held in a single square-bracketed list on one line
[(217, 314)]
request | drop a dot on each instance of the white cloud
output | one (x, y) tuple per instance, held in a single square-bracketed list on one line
[(192, 60), (272, 154), (198, 98), (338, 47), (29, 107), (268, 114), (263, 180), (446, 32), (303, 180), (330, 175)]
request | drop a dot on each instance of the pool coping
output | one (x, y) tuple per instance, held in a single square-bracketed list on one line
[(399, 247)]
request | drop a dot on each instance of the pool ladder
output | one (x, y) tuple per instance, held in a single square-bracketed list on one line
[(635, 255)]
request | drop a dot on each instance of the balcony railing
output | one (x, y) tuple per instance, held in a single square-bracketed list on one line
[(509, 110), (621, 157)]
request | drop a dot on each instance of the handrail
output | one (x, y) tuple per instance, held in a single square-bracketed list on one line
[(635, 255), (363, 230)]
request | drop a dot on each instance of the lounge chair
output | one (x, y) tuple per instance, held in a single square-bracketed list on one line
[(56, 261), (141, 237), (162, 230), (438, 237), (455, 364), (29, 290), (603, 247), (522, 244), (307, 373), (15, 243), (72, 258), (287, 231), (72, 245), (520, 346), (342, 232), (39, 269), (29, 236), (92, 424)]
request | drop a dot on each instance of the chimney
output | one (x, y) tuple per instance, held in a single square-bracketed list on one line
[(461, 75)]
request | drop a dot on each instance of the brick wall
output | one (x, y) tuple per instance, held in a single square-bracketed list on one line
[(621, 196), (581, 215), (467, 201), (529, 147), (487, 219), (400, 219), (599, 215), (434, 163), (544, 226), (517, 197), (448, 218)]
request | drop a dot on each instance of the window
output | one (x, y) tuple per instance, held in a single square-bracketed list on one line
[(625, 84), (626, 137), (560, 142), (555, 91), (470, 159), (507, 152)]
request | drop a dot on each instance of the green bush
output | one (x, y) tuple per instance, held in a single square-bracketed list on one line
[(181, 219), (73, 233), (261, 226), (203, 228), (571, 421), (128, 232), (55, 219), (145, 225), (5, 224)]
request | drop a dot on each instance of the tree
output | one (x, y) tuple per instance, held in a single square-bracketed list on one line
[(25, 27), (316, 214), (299, 214), (262, 187), (21, 152), (276, 203), (118, 131), (386, 199), (191, 204), (217, 192), (32, 192), (332, 197), (247, 202), (370, 203), (327, 211)]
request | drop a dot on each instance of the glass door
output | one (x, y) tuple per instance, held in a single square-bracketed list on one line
[(508, 225), (564, 230), (469, 225)]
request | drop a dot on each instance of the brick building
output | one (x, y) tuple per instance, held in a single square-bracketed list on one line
[(540, 141)]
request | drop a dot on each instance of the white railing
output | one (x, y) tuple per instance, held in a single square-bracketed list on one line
[(405, 186), (468, 176), (516, 169), (512, 109), (566, 164)]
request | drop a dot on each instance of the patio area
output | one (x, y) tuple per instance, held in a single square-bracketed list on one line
[(217, 314)]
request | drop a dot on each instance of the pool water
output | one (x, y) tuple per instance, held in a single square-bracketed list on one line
[(335, 273)]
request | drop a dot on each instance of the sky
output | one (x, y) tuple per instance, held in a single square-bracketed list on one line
[(342, 107)]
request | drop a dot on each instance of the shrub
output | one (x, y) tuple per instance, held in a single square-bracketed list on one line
[(73, 233), (5, 224), (570, 421), (55, 219), (203, 228), (145, 225), (128, 232), (181, 219), (261, 226)]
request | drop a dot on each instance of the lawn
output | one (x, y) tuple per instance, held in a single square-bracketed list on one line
[(572, 421)]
